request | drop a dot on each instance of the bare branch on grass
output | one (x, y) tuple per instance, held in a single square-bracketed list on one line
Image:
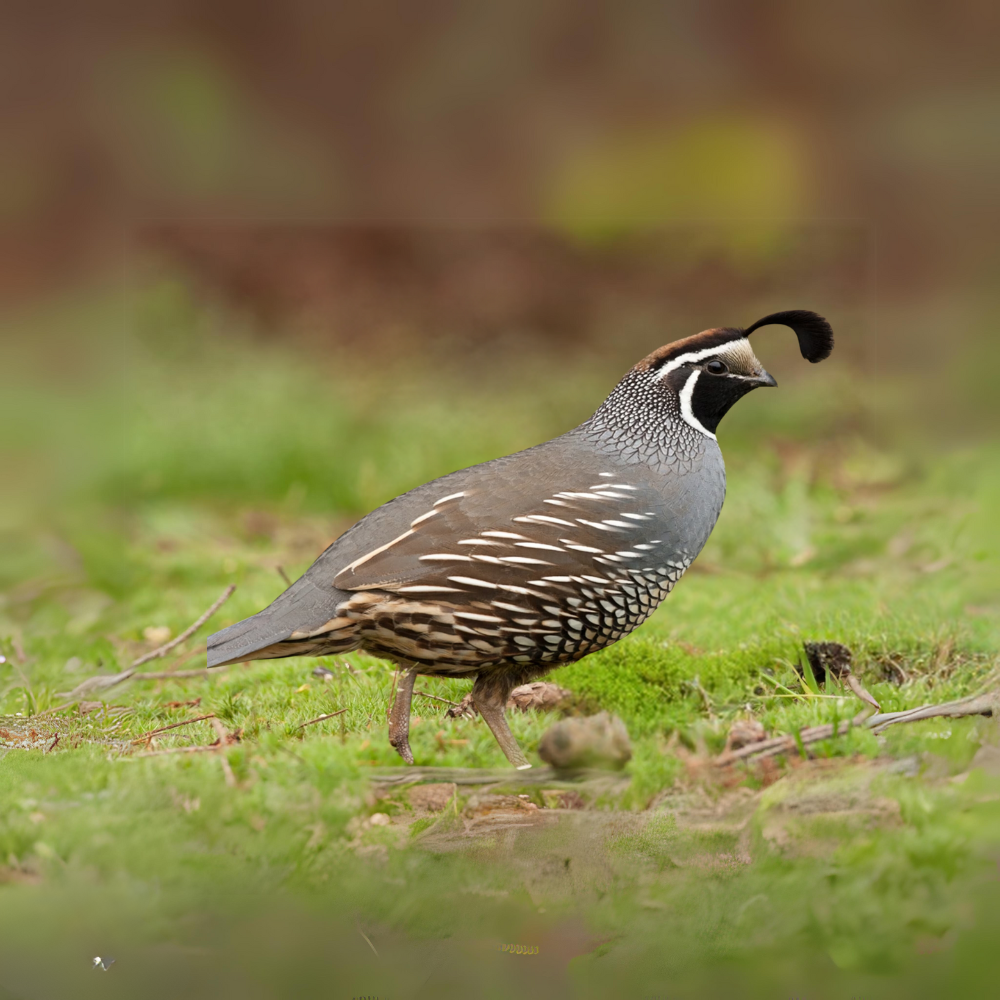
[(322, 717), (424, 694), (184, 657), (174, 725), (980, 704), (103, 683), (189, 631), (987, 703), (224, 741)]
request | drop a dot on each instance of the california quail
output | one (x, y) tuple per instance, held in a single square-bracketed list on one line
[(505, 570)]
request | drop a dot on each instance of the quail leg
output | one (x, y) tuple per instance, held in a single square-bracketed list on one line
[(399, 715), (491, 708)]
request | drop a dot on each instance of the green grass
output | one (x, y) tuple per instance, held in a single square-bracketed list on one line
[(214, 467)]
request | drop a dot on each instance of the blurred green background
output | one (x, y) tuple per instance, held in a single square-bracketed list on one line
[(263, 267)]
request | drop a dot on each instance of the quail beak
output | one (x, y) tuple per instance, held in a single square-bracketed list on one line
[(764, 378)]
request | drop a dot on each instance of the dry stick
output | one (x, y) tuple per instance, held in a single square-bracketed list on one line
[(102, 683), (805, 737), (283, 575), (184, 657), (52, 745), (322, 717), (784, 744), (174, 725), (223, 743), (424, 694), (974, 705), (189, 631)]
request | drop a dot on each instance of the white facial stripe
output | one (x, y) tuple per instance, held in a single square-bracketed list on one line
[(695, 356), (686, 412)]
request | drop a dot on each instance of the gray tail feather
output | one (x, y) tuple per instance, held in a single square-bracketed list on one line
[(304, 606)]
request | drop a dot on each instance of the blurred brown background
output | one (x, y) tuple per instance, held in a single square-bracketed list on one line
[(474, 173)]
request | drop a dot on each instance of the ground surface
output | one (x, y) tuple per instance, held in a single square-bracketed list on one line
[(285, 861)]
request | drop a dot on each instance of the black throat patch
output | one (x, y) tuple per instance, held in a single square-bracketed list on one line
[(712, 395)]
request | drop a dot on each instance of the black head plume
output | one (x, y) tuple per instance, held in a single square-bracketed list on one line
[(814, 333)]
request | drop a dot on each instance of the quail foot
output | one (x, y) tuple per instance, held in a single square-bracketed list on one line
[(503, 571)]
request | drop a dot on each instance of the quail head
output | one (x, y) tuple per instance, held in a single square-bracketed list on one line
[(505, 570)]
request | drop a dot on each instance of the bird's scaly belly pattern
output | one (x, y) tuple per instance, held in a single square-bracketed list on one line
[(584, 614)]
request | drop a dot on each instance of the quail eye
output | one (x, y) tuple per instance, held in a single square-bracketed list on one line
[(716, 367)]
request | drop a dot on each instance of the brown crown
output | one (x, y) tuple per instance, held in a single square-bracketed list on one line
[(699, 342)]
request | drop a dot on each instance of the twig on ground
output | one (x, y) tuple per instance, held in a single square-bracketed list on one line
[(175, 725), (283, 575), (424, 694), (785, 744), (981, 704), (52, 711), (220, 731), (102, 682), (184, 657), (224, 741), (322, 717), (189, 631), (52, 745), (227, 770)]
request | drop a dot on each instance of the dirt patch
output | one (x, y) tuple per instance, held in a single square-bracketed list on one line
[(486, 812), (431, 798)]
